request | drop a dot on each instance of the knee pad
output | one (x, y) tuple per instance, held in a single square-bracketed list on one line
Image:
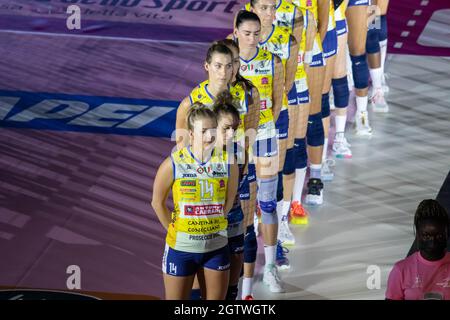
[(232, 293), (383, 33), (360, 70), (289, 162), (280, 186), (267, 199), (301, 156), (314, 132), (196, 294), (372, 42), (340, 92), (250, 245), (325, 105)]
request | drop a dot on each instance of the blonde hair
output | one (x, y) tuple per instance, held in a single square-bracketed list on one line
[(199, 111)]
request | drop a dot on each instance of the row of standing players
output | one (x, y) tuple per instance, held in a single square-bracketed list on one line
[(278, 66)]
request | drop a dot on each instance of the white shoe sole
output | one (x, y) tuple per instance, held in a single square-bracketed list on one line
[(363, 134), (287, 242), (284, 267), (380, 110), (342, 155), (281, 290), (313, 202)]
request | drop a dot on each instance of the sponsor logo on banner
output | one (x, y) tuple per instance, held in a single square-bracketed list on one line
[(248, 67), (63, 112), (188, 183), (189, 175), (173, 12), (263, 104), (201, 170), (202, 210), (264, 80), (219, 174)]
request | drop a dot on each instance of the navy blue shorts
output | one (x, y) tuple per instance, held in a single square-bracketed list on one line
[(244, 188), (236, 244), (318, 60), (235, 221), (265, 147), (329, 44), (303, 97), (292, 96), (341, 27), (182, 264), (282, 125), (251, 176), (352, 3)]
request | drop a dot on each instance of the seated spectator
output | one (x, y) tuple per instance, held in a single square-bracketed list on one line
[(425, 275)]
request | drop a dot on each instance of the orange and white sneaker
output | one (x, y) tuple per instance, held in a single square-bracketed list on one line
[(249, 297), (298, 214)]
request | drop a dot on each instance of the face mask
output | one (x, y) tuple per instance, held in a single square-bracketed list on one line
[(432, 248)]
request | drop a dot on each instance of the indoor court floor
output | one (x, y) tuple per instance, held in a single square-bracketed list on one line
[(76, 178)]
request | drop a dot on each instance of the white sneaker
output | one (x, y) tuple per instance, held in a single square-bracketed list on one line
[(362, 124), (272, 279), (326, 173), (284, 233), (341, 149), (315, 192), (378, 102)]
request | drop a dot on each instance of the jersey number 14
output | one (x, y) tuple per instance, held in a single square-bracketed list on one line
[(206, 189)]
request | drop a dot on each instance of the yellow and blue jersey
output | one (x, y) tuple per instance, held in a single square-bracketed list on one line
[(341, 22), (199, 192), (285, 14), (311, 6), (260, 71), (279, 43), (201, 94)]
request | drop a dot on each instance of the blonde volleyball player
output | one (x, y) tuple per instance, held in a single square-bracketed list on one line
[(341, 148), (265, 71), (356, 15), (280, 42), (246, 97), (204, 185)]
